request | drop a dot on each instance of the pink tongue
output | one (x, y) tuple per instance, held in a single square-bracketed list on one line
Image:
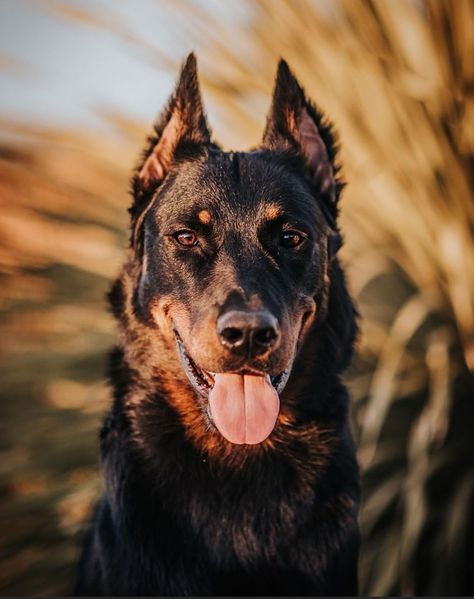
[(244, 407)]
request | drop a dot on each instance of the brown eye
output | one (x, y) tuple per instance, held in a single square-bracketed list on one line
[(186, 238), (291, 239)]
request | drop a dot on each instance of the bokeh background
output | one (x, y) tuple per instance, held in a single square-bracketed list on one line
[(81, 82)]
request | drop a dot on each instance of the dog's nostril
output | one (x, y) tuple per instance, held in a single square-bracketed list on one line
[(232, 335), (265, 336), (248, 333)]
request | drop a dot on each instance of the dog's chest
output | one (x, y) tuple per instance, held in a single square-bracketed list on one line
[(257, 516)]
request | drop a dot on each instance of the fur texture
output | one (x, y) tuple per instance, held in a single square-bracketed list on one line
[(186, 512)]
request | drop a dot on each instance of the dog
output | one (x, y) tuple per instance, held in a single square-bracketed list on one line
[(228, 459)]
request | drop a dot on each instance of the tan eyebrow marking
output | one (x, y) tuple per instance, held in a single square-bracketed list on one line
[(273, 212), (204, 216)]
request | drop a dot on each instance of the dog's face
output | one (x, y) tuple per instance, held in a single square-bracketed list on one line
[(234, 250)]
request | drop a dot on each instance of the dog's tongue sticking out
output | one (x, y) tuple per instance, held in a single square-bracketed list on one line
[(244, 407)]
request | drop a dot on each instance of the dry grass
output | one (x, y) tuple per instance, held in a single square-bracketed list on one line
[(397, 77)]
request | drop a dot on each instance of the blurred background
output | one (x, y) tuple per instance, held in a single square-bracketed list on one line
[(81, 82)]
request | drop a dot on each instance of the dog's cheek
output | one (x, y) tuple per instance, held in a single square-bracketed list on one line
[(308, 316), (284, 354), (168, 315), (159, 310), (146, 302), (179, 319), (204, 344), (154, 296), (295, 326)]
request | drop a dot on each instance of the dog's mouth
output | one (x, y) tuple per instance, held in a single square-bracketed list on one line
[(243, 405), (203, 380)]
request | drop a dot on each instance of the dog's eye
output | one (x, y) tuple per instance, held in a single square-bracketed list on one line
[(291, 239), (186, 238)]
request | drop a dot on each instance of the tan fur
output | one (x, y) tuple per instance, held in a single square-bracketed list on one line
[(204, 216), (273, 212)]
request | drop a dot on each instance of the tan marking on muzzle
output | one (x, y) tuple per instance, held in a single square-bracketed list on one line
[(160, 311)]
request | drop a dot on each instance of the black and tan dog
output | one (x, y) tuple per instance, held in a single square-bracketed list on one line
[(227, 456)]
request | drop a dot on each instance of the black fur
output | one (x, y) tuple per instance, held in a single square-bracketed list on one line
[(186, 512)]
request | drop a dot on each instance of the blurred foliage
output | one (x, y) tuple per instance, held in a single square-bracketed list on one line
[(397, 77)]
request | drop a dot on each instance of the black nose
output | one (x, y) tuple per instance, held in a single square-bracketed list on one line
[(248, 333)]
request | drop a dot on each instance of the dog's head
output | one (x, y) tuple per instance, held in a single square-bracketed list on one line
[(235, 247)]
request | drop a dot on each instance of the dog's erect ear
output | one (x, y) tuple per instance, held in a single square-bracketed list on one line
[(295, 123), (180, 132), (182, 122)]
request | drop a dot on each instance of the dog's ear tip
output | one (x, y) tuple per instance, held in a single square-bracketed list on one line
[(282, 66), (284, 72), (187, 90), (190, 61), (188, 75), (286, 83)]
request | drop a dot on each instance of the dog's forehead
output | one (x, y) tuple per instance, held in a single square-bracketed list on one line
[(246, 183)]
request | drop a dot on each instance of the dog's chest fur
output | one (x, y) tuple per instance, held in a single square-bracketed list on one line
[(268, 528)]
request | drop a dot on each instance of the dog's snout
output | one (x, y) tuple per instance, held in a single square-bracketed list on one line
[(248, 333)]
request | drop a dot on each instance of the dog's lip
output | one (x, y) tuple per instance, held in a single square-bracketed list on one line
[(203, 380)]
